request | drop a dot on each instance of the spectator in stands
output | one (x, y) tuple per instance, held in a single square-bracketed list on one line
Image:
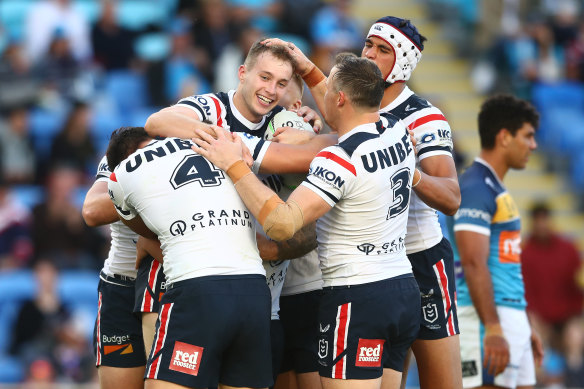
[(58, 69), (45, 17), (16, 152), (575, 57), (550, 266), (15, 241), (58, 230), (262, 14), (333, 30), (113, 45), (73, 145), (294, 20), (181, 75), (19, 87)]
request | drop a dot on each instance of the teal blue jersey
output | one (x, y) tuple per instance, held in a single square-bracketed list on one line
[(487, 208)]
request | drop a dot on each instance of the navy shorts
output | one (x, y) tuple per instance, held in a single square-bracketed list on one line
[(213, 330), (434, 271), (117, 335), (150, 286), (277, 341), (299, 317), (366, 328)]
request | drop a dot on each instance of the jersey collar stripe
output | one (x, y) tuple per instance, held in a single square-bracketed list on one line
[(218, 108), (337, 159), (425, 119)]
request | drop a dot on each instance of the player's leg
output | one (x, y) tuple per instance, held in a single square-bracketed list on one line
[(148, 329), (392, 379), (404, 377), (439, 364), (437, 349), (308, 380), (119, 346), (331, 383), (118, 377), (287, 380), (158, 384)]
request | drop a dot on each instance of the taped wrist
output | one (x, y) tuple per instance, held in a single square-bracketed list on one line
[(313, 77), (280, 220), (238, 170)]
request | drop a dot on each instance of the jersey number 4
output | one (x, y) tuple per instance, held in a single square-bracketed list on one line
[(195, 168), (400, 184)]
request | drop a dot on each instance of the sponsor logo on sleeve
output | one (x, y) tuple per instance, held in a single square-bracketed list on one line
[(369, 352), (186, 358)]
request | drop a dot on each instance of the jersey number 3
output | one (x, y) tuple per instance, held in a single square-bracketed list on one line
[(195, 168), (400, 184)]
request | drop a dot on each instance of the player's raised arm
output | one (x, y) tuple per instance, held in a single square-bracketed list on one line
[(176, 121)]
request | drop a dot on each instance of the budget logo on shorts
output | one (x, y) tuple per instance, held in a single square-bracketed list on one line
[(186, 358), (369, 352)]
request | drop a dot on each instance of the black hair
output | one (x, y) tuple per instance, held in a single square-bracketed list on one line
[(123, 142)]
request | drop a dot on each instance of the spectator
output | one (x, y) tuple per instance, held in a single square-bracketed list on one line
[(575, 57), (17, 155), (58, 230), (550, 265), (333, 30), (74, 145), (113, 45), (49, 15), (15, 241), (19, 87)]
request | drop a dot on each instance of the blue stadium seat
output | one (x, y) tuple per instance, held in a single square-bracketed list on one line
[(29, 195), (137, 14), (153, 46), (44, 126), (13, 16), (127, 89), (91, 9), (12, 370), (15, 287)]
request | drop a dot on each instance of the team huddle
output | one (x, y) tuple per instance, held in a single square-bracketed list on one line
[(222, 273)]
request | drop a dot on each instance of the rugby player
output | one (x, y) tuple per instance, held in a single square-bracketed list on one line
[(359, 191), (395, 45), (497, 344)]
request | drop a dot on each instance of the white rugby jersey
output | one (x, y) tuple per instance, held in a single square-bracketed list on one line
[(303, 275), (203, 226), (121, 258), (433, 137), (366, 178), (219, 109)]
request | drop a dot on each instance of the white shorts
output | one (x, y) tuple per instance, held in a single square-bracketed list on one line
[(521, 368)]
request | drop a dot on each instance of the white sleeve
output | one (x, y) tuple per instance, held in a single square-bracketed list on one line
[(432, 132), (330, 176), (208, 107), (103, 171), (257, 147), (116, 193)]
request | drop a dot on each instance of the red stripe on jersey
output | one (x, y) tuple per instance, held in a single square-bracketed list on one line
[(339, 160), (218, 108), (98, 332), (159, 341), (113, 177), (340, 340), (445, 295), (425, 119)]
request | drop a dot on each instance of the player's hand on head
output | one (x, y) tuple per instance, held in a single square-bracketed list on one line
[(292, 136), (310, 116), (303, 64), (496, 354), (222, 152)]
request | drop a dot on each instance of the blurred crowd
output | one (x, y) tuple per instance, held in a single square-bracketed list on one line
[(71, 72)]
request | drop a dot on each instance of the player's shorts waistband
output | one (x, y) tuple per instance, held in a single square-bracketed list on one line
[(210, 279), (397, 278), (118, 279)]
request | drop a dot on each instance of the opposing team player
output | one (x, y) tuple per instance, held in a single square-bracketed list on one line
[(359, 192), (497, 345), (119, 342), (395, 45)]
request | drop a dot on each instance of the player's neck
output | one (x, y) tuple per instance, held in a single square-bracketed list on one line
[(497, 162), (349, 122), (243, 109), (392, 92)]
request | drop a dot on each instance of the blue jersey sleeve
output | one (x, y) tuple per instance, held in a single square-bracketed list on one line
[(477, 207)]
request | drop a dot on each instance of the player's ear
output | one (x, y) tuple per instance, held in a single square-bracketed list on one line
[(241, 73), (504, 137), (341, 98), (296, 106)]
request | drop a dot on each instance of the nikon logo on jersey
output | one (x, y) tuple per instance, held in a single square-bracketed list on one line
[(393, 155), (327, 175)]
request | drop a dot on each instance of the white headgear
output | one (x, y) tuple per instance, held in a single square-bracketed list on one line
[(406, 43)]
